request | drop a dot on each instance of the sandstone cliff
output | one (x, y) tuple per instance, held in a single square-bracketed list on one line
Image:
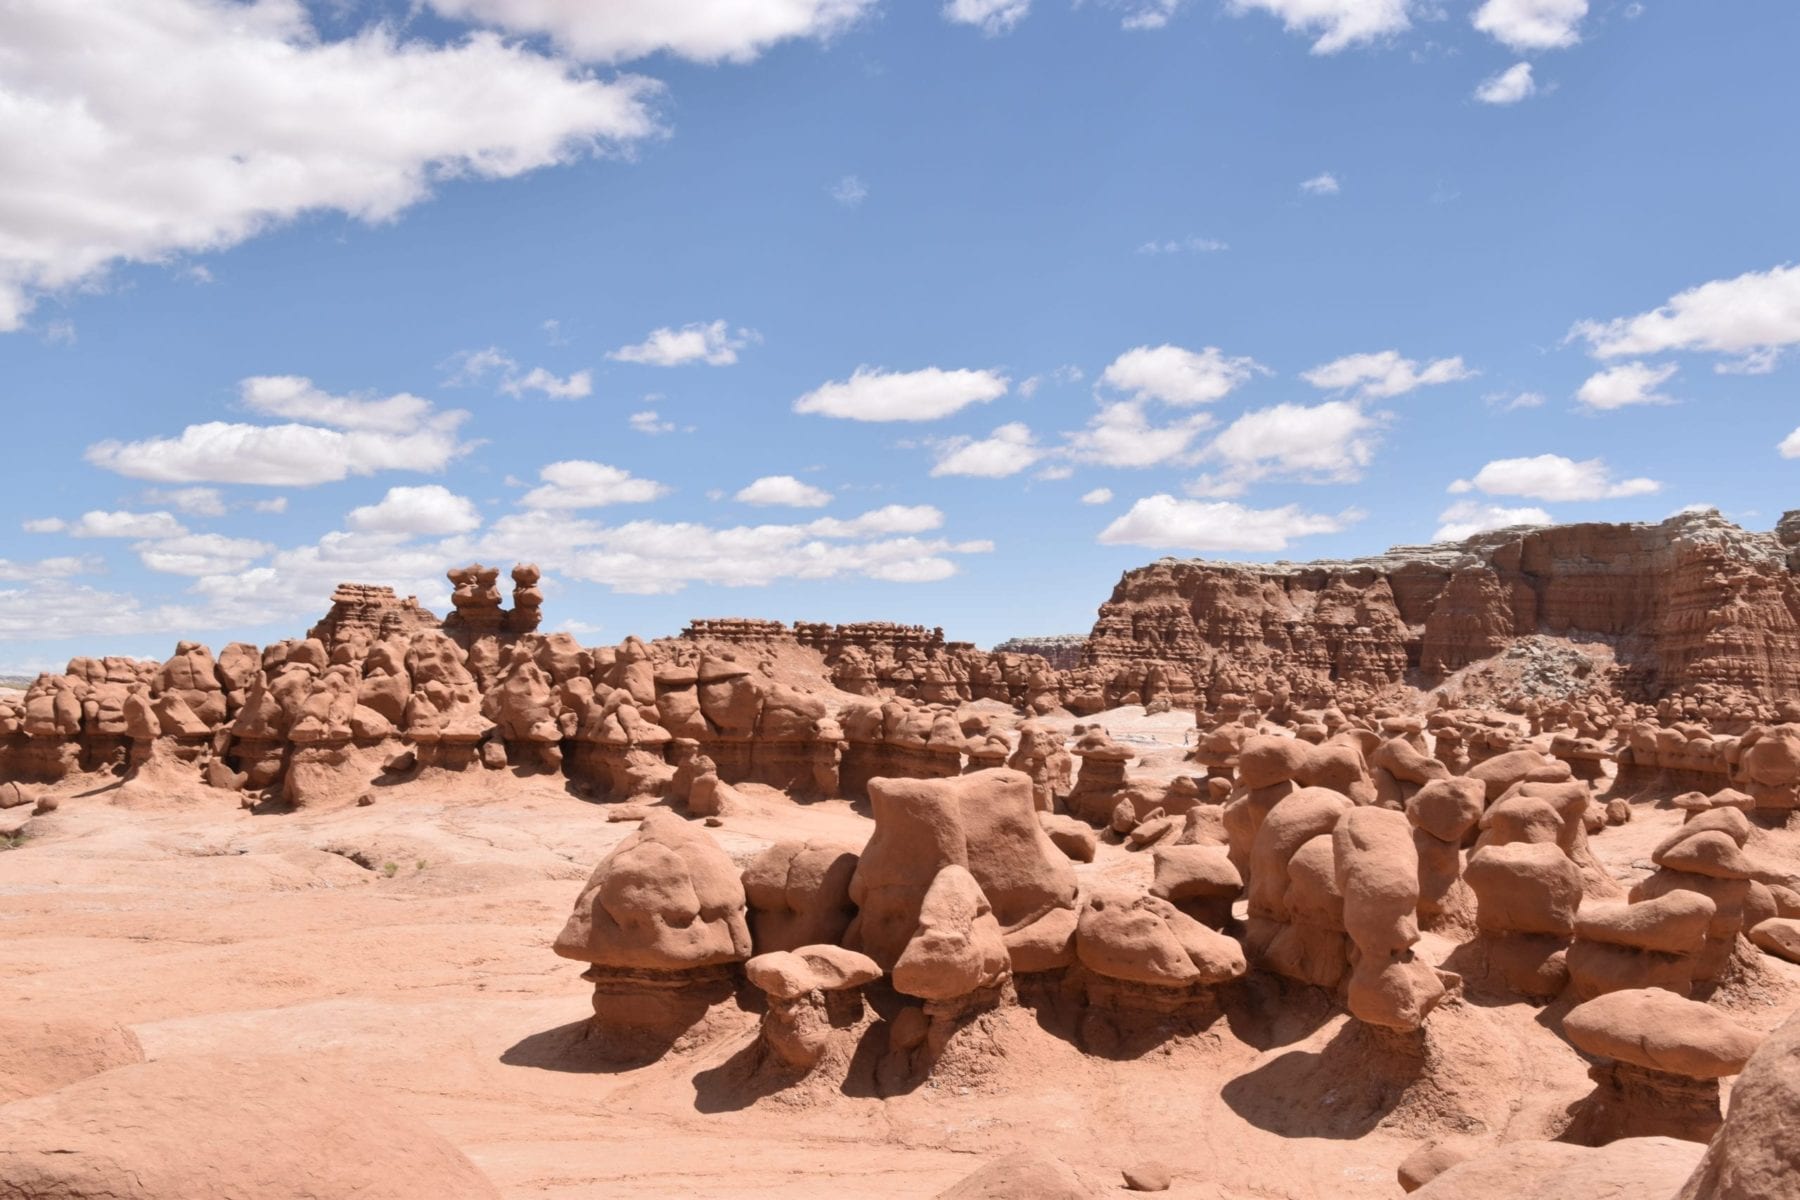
[(1691, 601)]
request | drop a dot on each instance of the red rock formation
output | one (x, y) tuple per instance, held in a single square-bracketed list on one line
[(1691, 603)]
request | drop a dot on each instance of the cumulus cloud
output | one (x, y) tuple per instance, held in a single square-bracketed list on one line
[(1508, 87), (1162, 522), (1145, 14), (925, 395), (577, 483), (650, 421), (1006, 451), (1099, 495), (1322, 184), (658, 557), (281, 455), (1327, 443), (1524, 25), (713, 343), (784, 491), (477, 366), (428, 510), (199, 554), (1790, 445), (1466, 518), (1625, 385), (1754, 316), (702, 30), (296, 397), (194, 501), (1553, 477), (576, 386), (1177, 376), (1121, 435), (204, 123), (100, 524), (45, 569), (992, 17), (1384, 374), (1338, 24)]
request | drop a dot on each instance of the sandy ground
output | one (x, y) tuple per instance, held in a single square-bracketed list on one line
[(408, 945)]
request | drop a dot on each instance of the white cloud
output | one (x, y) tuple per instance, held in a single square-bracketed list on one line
[(1466, 518), (850, 191), (580, 484), (1327, 443), (123, 525), (1099, 495), (1625, 385), (784, 491), (1055, 471), (1322, 184), (204, 123), (1513, 401), (194, 501), (1755, 315), (1508, 87), (1146, 14), (656, 557), (874, 395), (280, 455), (1384, 374), (45, 525), (431, 509), (1120, 435), (274, 505), (992, 17), (703, 30), (1339, 24), (713, 343), (1790, 445), (1553, 477), (1006, 451), (474, 366), (574, 387), (45, 568), (1186, 245), (296, 398), (1523, 25), (650, 421), (1177, 376), (199, 554), (1162, 522)]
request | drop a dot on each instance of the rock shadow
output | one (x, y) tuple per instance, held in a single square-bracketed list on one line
[(1341, 1091)]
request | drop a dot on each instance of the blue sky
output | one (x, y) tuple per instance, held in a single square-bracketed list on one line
[(841, 309)]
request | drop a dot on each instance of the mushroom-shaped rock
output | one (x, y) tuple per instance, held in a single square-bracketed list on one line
[(1779, 936), (956, 949), (661, 919), (1198, 879), (1756, 1155), (813, 991), (1660, 1031), (666, 899), (1660, 1059), (1145, 940)]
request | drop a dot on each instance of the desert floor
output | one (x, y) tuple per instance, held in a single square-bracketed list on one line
[(407, 944)]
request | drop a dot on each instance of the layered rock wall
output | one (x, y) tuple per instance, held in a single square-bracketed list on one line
[(1693, 601)]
